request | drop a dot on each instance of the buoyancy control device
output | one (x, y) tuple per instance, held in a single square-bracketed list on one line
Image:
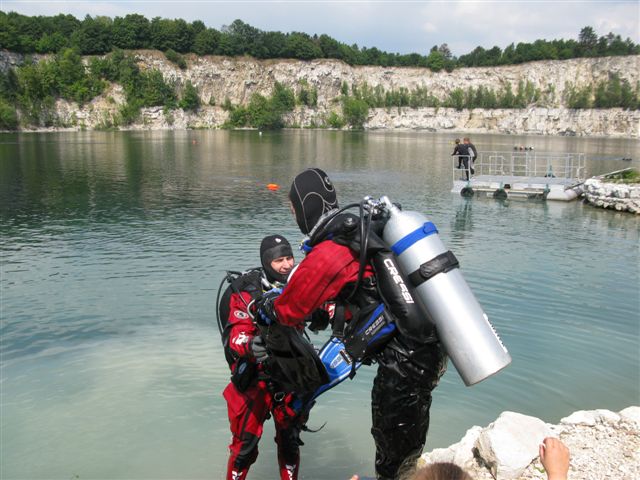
[(463, 327)]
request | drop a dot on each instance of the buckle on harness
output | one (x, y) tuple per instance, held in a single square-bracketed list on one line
[(444, 262)]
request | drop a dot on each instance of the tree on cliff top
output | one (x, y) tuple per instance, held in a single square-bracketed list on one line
[(99, 35)]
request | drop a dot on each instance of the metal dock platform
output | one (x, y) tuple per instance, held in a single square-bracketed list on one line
[(521, 174)]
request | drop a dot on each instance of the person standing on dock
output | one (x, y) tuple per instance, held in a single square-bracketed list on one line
[(473, 153), (461, 152)]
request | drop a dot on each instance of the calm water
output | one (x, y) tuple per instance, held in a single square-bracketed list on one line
[(113, 246)]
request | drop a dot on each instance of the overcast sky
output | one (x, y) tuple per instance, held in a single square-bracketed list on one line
[(392, 26)]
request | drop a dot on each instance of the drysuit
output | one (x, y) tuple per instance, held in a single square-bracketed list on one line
[(252, 396), (407, 370)]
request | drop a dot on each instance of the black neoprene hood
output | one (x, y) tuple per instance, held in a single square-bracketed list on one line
[(312, 194), (272, 247)]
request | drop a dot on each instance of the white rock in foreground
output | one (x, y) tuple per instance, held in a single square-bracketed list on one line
[(603, 445), (509, 444)]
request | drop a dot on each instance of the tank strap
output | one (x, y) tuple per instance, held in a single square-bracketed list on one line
[(404, 243), (444, 262)]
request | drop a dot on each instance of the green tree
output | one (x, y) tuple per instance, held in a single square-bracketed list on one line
[(577, 97), (355, 112), (155, 91), (588, 38), (206, 42), (264, 114), (8, 116), (456, 99), (283, 98), (175, 58), (94, 36), (330, 47), (334, 120), (190, 98), (51, 43), (435, 61), (300, 45), (131, 32), (163, 34)]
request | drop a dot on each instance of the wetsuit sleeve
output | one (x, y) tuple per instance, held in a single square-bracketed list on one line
[(242, 327), (319, 278)]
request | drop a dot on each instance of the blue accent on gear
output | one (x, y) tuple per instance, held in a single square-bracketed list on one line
[(376, 313), (408, 240), (333, 356), (305, 247), (386, 330)]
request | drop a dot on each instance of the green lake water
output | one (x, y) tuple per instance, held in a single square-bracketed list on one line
[(113, 245)]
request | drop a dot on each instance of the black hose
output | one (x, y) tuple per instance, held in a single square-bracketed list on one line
[(321, 233), (225, 278), (365, 229), (230, 276)]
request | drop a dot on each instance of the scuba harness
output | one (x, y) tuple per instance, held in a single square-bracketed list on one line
[(381, 304), (245, 371)]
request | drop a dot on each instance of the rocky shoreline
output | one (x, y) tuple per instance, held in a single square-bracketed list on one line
[(614, 196), (603, 445)]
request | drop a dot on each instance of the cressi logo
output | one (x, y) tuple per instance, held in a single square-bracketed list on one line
[(395, 275), (374, 326)]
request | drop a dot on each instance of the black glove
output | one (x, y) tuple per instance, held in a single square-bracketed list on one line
[(258, 349), (266, 314), (319, 320)]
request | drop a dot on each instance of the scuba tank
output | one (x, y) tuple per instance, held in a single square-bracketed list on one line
[(463, 328)]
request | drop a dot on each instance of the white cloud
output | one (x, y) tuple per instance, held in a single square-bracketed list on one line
[(429, 27)]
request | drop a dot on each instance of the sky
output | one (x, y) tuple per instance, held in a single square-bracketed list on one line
[(392, 26)]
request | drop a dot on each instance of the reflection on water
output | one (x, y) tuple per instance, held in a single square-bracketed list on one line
[(113, 245)]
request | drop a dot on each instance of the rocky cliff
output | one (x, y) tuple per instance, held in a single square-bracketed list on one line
[(237, 79)]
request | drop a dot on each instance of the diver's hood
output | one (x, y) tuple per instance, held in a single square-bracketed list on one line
[(312, 194), (272, 247)]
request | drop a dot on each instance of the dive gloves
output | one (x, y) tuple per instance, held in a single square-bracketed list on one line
[(266, 314), (258, 349)]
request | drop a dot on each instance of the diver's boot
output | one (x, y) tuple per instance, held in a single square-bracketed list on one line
[(289, 471), (236, 473)]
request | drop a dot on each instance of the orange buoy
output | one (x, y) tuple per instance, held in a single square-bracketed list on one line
[(273, 186)]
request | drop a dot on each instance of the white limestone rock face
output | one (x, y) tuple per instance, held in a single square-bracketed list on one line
[(239, 78), (509, 444)]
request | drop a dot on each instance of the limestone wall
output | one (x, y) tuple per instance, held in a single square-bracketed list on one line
[(239, 78)]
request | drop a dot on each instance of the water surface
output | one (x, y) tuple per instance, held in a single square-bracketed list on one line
[(113, 246)]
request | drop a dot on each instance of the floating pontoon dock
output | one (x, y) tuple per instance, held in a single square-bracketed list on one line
[(522, 174)]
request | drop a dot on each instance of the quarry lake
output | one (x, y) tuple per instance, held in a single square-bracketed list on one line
[(113, 245)]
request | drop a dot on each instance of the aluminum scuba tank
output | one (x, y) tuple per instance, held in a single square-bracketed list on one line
[(463, 328)]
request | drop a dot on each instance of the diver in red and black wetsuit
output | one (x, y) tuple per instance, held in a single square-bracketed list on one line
[(252, 395), (408, 369)]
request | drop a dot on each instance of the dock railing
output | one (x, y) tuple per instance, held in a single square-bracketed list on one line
[(522, 164)]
